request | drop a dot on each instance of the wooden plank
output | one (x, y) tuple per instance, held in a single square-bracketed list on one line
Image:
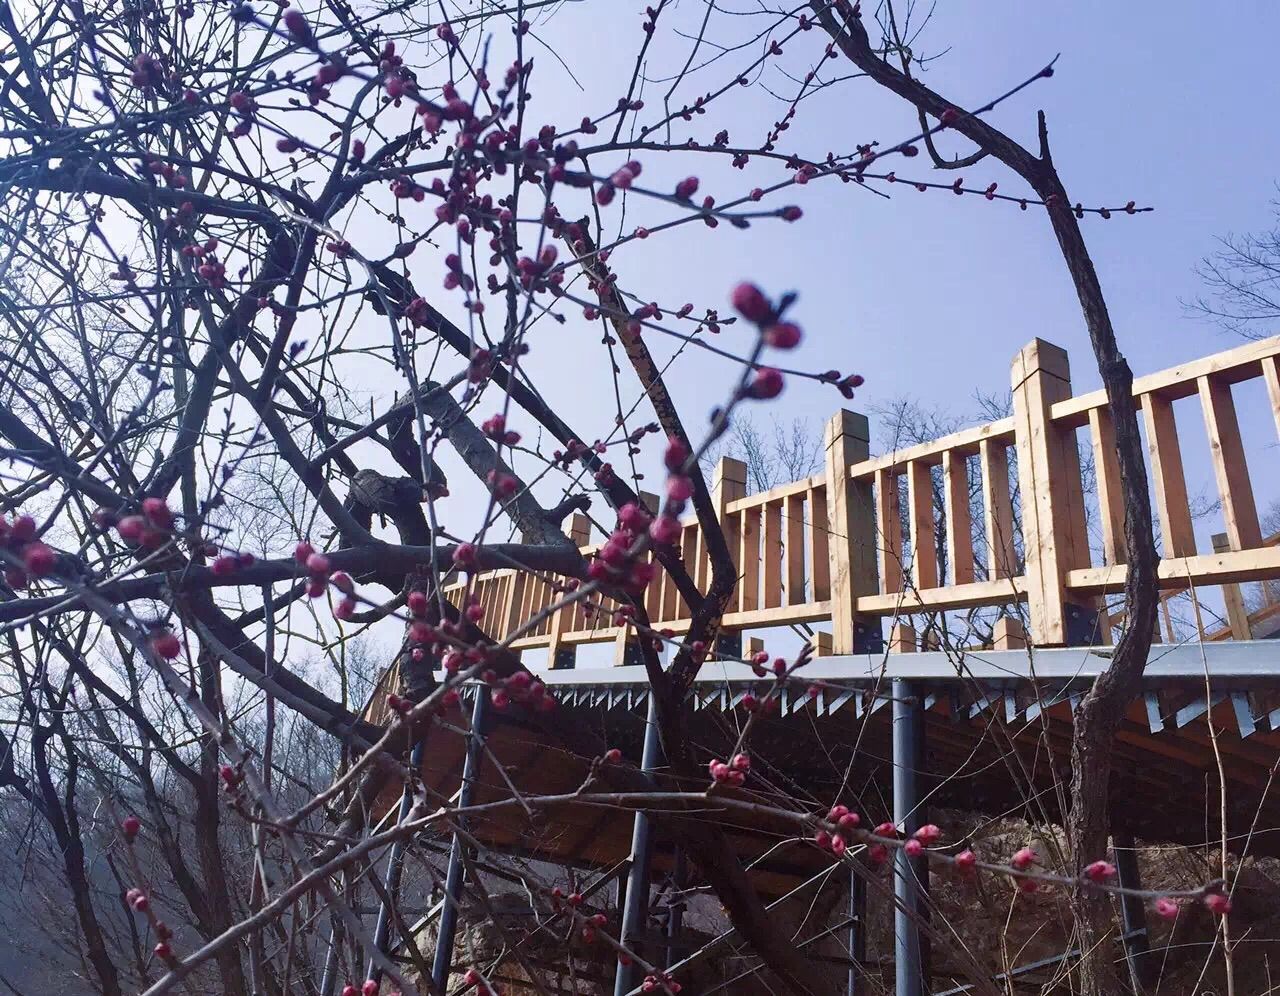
[(1231, 367), (889, 531), (1171, 484), (772, 569), (1271, 375), (955, 483), (817, 551), (966, 442), (793, 529), (783, 615), (689, 551), (924, 541), (1005, 591), (997, 509), (902, 639), (1048, 472), (749, 558), (1237, 614), (1008, 634), (579, 529), (1106, 468), (781, 491), (730, 484), (851, 541), (1204, 568), (1230, 469)]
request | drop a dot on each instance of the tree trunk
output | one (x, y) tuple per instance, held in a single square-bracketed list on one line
[(1102, 709)]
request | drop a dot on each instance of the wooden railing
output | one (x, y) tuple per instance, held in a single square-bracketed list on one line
[(996, 515)]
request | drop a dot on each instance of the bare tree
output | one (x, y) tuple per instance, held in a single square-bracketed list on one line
[(1243, 278), (275, 281)]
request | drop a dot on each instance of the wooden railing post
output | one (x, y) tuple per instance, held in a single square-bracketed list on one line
[(1053, 522), (559, 655), (852, 541), (729, 484)]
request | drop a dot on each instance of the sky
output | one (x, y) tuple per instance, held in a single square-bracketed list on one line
[(931, 295)]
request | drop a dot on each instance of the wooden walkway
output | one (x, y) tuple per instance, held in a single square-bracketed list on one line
[(867, 542), (867, 539)]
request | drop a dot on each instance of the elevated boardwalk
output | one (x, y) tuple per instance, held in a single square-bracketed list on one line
[(956, 595)]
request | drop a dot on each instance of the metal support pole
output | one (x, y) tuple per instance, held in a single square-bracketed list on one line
[(857, 933), (636, 908), (910, 876), (329, 978), (453, 877), (395, 866), (1133, 914), (675, 911)]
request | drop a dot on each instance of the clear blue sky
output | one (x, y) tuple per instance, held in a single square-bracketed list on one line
[(932, 293)]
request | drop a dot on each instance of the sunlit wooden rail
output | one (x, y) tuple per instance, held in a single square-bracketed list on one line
[(995, 515)]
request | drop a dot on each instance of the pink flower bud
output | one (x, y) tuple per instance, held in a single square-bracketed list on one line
[(157, 510), (783, 335), (166, 644), (38, 559), (665, 529), (766, 384), (679, 487), (1217, 904), (1024, 858), (131, 528), (749, 301)]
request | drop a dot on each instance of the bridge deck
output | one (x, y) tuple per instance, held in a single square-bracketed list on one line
[(997, 734)]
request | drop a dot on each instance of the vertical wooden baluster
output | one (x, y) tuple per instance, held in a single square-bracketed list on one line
[(671, 600), (730, 484), (821, 643), (1271, 375), (653, 594), (690, 549), (1237, 613), (749, 559), (817, 550), (997, 510), (773, 555), (1239, 513), (793, 529), (1106, 469), (924, 549), (955, 482), (515, 596), (889, 530), (1007, 634), (1171, 484), (902, 639)]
